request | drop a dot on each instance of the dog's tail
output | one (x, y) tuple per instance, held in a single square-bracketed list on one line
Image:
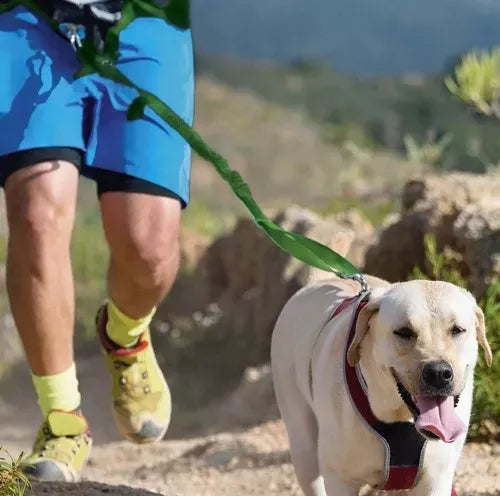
[(341, 243)]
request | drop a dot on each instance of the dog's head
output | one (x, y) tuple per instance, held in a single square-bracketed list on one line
[(424, 334)]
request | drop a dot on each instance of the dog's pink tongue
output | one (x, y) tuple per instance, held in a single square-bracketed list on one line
[(437, 415)]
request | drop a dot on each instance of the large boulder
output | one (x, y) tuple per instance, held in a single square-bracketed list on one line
[(460, 210), (251, 278), (192, 247), (477, 234)]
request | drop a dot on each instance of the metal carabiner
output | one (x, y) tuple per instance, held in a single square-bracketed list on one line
[(74, 32), (360, 278)]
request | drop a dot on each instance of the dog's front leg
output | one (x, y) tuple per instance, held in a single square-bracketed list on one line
[(439, 470), (434, 486), (435, 490), (335, 486)]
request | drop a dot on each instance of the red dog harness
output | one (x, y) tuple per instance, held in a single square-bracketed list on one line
[(403, 444)]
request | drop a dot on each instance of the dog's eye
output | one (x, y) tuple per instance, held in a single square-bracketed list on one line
[(405, 333), (456, 330)]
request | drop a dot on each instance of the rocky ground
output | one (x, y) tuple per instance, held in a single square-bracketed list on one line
[(240, 446), (248, 463)]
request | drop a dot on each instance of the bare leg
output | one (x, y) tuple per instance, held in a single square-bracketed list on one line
[(143, 235), (41, 208)]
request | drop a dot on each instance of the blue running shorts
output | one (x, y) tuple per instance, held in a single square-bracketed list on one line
[(45, 114)]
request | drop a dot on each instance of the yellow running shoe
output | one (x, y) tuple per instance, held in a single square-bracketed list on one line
[(141, 397), (61, 449)]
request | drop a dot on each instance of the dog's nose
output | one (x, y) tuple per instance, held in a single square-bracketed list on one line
[(438, 374)]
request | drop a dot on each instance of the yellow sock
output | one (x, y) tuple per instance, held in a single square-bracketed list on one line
[(124, 330), (57, 392)]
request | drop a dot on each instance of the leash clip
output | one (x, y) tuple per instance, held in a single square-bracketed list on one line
[(360, 278)]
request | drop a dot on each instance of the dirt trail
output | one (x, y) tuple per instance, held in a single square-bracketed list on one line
[(236, 451)]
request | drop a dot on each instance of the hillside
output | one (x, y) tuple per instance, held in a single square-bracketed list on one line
[(373, 113), (283, 153), (361, 37)]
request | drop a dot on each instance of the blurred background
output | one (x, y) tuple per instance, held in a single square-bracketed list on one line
[(361, 37), (358, 117)]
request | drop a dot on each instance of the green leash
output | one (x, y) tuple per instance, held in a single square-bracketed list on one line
[(177, 13)]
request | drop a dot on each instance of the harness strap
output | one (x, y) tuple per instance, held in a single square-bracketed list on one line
[(341, 307)]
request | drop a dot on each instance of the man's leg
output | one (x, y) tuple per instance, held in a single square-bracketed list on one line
[(142, 231), (143, 235), (41, 209), (142, 171)]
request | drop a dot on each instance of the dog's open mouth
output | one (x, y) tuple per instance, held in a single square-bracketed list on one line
[(435, 416)]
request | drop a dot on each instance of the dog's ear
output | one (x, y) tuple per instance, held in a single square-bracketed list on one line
[(362, 326), (481, 336)]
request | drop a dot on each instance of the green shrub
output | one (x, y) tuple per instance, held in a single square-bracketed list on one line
[(477, 81), (430, 153), (440, 265), (486, 412), (485, 422), (12, 481)]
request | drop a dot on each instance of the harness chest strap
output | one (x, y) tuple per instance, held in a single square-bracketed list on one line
[(404, 446)]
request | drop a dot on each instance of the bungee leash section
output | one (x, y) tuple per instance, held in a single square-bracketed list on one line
[(100, 57)]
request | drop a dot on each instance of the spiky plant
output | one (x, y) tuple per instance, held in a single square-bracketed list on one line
[(430, 153), (477, 81), (12, 480)]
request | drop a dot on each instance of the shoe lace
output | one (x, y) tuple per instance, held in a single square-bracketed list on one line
[(60, 448)]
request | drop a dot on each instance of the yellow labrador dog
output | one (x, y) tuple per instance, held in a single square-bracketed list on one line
[(415, 346)]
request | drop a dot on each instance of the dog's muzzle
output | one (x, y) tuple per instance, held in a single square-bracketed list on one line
[(410, 402)]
